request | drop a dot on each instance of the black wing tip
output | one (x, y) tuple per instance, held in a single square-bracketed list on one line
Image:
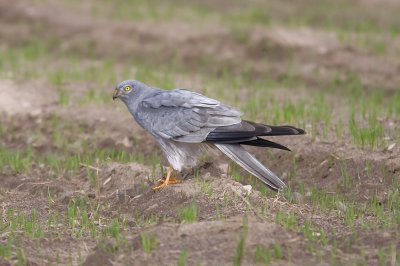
[(276, 187), (300, 131), (259, 142), (227, 134), (294, 130), (284, 130)]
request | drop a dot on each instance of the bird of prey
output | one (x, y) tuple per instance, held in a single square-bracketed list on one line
[(186, 123)]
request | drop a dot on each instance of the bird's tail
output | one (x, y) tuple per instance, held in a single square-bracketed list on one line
[(239, 155)]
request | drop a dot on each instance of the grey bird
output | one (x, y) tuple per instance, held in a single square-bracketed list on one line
[(186, 123)]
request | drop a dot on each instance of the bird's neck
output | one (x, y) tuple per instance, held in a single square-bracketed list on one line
[(140, 95)]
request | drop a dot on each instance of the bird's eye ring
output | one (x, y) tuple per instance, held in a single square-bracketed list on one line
[(127, 88)]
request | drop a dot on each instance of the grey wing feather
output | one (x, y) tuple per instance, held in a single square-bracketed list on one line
[(185, 116), (239, 155), (179, 98)]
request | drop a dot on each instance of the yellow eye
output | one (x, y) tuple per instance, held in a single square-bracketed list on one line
[(127, 88)]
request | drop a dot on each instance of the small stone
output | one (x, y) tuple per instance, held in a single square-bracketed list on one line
[(341, 206), (316, 234), (125, 142), (391, 146), (224, 167), (247, 189)]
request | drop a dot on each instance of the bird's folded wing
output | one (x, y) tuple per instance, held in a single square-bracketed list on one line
[(185, 116), (179, 98)]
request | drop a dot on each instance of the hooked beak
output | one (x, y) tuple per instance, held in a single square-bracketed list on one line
[(117, 94)]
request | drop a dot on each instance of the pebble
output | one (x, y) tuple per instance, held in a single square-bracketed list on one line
[(391, 146), (247, 189), (341, 206), (224, 167)]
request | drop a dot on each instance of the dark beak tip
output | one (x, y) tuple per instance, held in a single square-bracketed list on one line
[(116, 94)]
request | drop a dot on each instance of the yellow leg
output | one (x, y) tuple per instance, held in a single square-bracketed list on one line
[(167, 181)]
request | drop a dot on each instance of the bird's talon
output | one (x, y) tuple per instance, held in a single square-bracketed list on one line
[(166, 181), (172, 180), (159, 187)]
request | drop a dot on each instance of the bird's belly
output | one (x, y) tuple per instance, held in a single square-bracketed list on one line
[(181, 155)]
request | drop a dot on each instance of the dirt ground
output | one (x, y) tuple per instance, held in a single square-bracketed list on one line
[(76, 172)]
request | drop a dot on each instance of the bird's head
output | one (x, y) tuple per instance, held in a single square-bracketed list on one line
[(126, 90)]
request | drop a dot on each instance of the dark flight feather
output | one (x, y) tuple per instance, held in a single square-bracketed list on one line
[(259, 142), (247, 133)]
